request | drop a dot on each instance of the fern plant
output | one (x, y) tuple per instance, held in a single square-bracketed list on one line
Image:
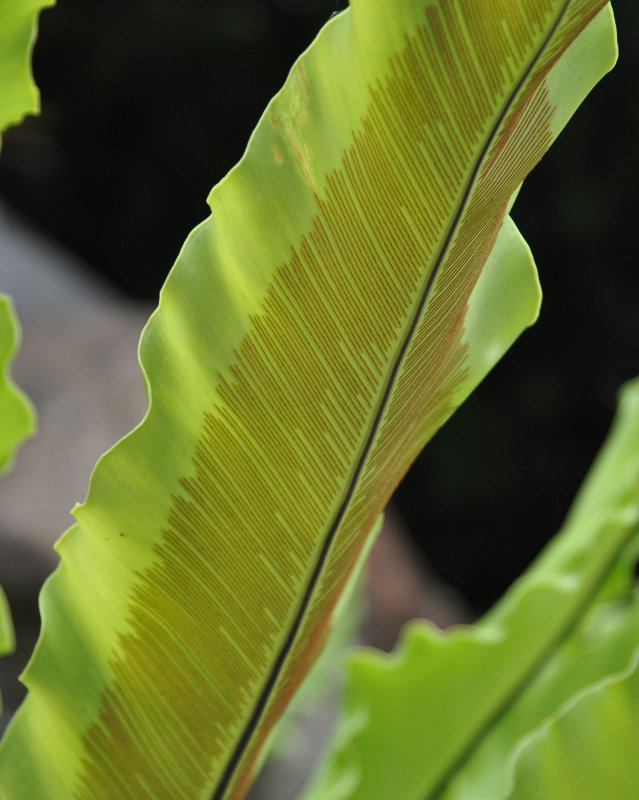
[(357, 278)]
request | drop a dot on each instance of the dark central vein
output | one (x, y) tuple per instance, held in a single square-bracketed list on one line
[(262, 701)]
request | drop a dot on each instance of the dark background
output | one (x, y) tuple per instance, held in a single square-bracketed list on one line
[(146, 104)]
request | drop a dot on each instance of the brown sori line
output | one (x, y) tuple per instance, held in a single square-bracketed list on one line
[(262, 701)]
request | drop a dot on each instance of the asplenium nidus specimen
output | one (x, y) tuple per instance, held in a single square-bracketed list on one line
[(357, 278), (15, 412), (16, 423)]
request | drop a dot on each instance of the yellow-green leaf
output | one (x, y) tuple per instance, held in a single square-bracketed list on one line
[(16, 415), (16, 423), (588, 750), (357, 278), (18, 25)]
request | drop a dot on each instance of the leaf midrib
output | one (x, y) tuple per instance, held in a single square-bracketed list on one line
[(256, 715)]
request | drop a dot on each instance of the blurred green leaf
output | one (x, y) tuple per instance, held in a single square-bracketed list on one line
[(588, 749), (18, 26), (16, 414)]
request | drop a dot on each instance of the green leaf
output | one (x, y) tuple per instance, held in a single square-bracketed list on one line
[(18, 26), (589, 749), (357, 278), (16, 414), (7, 636), (16, 423), (451, 711)]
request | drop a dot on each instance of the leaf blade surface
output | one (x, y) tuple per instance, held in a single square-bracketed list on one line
[(18, 92), (309, 341), (16, 415)]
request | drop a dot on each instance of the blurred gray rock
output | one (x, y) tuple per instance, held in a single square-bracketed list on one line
[(78, 364)]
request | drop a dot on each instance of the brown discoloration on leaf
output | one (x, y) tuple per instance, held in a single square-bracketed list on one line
[(277, 155)]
